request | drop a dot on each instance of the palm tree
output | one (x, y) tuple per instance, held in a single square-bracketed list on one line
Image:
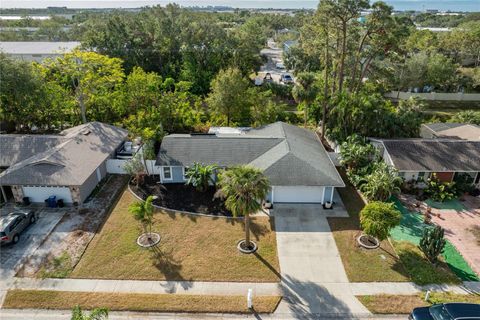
[(96, 314), (305, 91), (143, 212), (381, 183), (200, 175), (244, 188)]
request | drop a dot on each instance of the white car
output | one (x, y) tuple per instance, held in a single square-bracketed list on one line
[(286, 78), (280, 65)]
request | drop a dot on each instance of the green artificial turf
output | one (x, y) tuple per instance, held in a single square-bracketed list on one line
[(457, 263), (411, 226), (411, 230), (446, 205)]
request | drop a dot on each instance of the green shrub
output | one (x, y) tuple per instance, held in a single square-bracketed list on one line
[(378, 218), (440, 191)]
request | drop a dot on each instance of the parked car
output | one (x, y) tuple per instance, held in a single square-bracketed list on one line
[(258, 81), (268, 78), (280, 65), (286, 78), (447, 311), (12, 224)]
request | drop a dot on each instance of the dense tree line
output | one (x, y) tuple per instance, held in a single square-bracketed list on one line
[(86, 86)]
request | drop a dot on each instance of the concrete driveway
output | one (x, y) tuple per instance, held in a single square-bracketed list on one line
[(12, 256), (314, 282)]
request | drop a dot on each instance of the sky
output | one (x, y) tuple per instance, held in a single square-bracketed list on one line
[(461, 5)]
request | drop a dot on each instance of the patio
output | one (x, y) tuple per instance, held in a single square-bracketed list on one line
[(460, 229)]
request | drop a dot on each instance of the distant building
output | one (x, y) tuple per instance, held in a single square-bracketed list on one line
[(36, 50), (462, 131), (433, 29)]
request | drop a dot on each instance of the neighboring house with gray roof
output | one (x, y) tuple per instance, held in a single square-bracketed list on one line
[(293, 159), (68, 165), (418, 159), (447, 130)]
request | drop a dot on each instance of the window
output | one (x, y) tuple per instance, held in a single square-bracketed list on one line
[(184, 170), (401, 174), (468, 177), (423, 176), (167, 173)]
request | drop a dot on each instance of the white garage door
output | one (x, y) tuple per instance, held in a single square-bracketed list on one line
[(39, 194), (299, 194)]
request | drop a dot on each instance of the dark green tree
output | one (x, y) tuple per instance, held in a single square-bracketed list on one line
[(433, 243)]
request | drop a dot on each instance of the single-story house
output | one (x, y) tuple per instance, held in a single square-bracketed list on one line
[(464, 131), (418, 159), (37, 50), (68, 165), (293, 159)]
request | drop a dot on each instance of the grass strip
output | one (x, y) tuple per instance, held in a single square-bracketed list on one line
[(62, 300), (404, 304)]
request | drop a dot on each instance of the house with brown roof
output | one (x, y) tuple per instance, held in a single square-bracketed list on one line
[(68, 165), (417, 159)]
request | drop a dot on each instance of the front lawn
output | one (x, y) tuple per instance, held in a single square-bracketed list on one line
[(192, 248), (62, 300), (362, 265), (404, 304)]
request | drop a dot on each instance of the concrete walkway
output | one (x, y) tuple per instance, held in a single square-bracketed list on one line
[(314, 282), (154, 287), (228, 288)]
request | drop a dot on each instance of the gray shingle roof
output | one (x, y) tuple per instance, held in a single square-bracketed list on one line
[(289, 155), (434, 154), (16, 147), (79, 151), (440, 126)]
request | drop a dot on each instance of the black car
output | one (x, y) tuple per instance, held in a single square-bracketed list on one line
[(447, 311)]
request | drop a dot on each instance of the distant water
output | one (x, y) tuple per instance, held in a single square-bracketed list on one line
[(419, 5)]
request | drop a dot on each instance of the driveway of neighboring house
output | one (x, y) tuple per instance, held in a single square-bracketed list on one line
[(14, 255), (314, 282), (11, 255), (462, 228)]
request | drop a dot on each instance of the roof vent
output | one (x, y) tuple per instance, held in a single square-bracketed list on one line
[(85, 132)]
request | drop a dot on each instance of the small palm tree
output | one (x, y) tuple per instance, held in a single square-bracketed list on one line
[(96, 314), (143, 212), (381, 184), (244, 188), (200, 175)]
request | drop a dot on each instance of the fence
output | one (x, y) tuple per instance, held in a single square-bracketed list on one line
[(117, 166), (434, 96)]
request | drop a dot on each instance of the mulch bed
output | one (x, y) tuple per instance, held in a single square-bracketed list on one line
[(182, 197)]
